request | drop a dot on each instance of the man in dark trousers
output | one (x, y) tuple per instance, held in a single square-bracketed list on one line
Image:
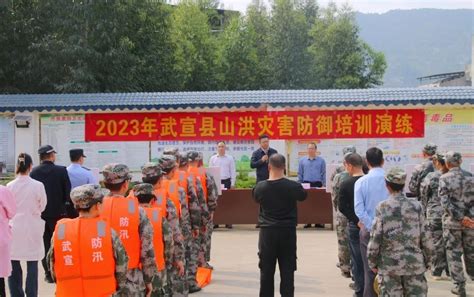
[(58, 187), (260, 158), (277, 197)]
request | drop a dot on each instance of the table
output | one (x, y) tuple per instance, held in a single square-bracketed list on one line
[(236, 206)]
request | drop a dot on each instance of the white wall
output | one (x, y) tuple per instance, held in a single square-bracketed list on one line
[(27, 139)]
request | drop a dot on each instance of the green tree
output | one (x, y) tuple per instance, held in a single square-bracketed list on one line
[(340, 58), (288, 40), (237, 57), (257, 22), (195, 54)]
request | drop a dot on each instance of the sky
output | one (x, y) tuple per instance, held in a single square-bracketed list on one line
[(374, 6)]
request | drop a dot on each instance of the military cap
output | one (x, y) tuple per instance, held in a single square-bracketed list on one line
[(86, 196), (115, 173), (349, 149), (439, 156), (143, 189), (173, 151), (75, 153), (430, 148), (183, 159), (151, 169), (396, 175), (453, 157), (167, 162), (194, 156), (46, 149)]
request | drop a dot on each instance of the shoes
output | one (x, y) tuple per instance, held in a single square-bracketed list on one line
[(307, 226), (48, 278), (346, 274), (208, 266), (229, 226), (319, 226), (459, 290), (194, 289), (216, 226)]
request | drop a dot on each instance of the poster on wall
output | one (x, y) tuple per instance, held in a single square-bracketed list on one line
[(7, 145), (66, 131), (450, 129)]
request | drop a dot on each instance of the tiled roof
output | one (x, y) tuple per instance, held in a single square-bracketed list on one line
[(274, 98)]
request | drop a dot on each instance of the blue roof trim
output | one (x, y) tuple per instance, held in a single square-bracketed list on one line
[(291, 98)]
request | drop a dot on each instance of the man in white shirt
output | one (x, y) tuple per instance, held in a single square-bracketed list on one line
[(227, 165)]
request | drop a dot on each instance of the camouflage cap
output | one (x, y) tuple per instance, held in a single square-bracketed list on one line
[(453, 157), (396, 175), (439, 156), (86, 196), (143, 189), (115, 173), (173, 151), (430, 148), (194, 156), (167, 162), (349, 149), (183, 159), (151, 169)]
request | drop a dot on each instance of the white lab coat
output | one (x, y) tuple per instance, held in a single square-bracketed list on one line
[(27, 225)]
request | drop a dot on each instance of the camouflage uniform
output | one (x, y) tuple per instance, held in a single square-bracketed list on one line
[(421, 171), (456, 200), (342, 226), (85, 196), (193, 243), (212, 196), (399, 245), (161, 287), (434, 212), (136, 278), (179, 283)]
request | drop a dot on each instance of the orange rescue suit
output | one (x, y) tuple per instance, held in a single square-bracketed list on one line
[(124, 217), (172, 189), (201, 174), (155, 216), (84, 261)]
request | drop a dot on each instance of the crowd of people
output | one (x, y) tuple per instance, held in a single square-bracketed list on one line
[(148, 239), (392, 238), (154, 237)]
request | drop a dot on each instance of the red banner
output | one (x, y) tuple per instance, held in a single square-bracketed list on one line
[(396, 123)]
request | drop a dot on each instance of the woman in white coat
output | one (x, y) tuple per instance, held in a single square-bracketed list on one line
[(27, 228)]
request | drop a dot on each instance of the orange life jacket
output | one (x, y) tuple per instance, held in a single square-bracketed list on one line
[(182, 177), (124, 217), (84, 261), (200, 173), (156, 219), (172, 188), (160, 202)]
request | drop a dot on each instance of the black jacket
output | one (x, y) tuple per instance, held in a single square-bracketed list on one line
[(58, 188), (262, 167)]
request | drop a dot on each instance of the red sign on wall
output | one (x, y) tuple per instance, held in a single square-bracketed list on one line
[(396, 123)]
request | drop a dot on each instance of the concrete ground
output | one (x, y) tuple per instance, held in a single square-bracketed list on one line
[(234, 257)]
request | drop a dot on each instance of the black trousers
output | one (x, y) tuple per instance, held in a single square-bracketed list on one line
[(50, 224), (277, 244), (316, 184), (226, 182)]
